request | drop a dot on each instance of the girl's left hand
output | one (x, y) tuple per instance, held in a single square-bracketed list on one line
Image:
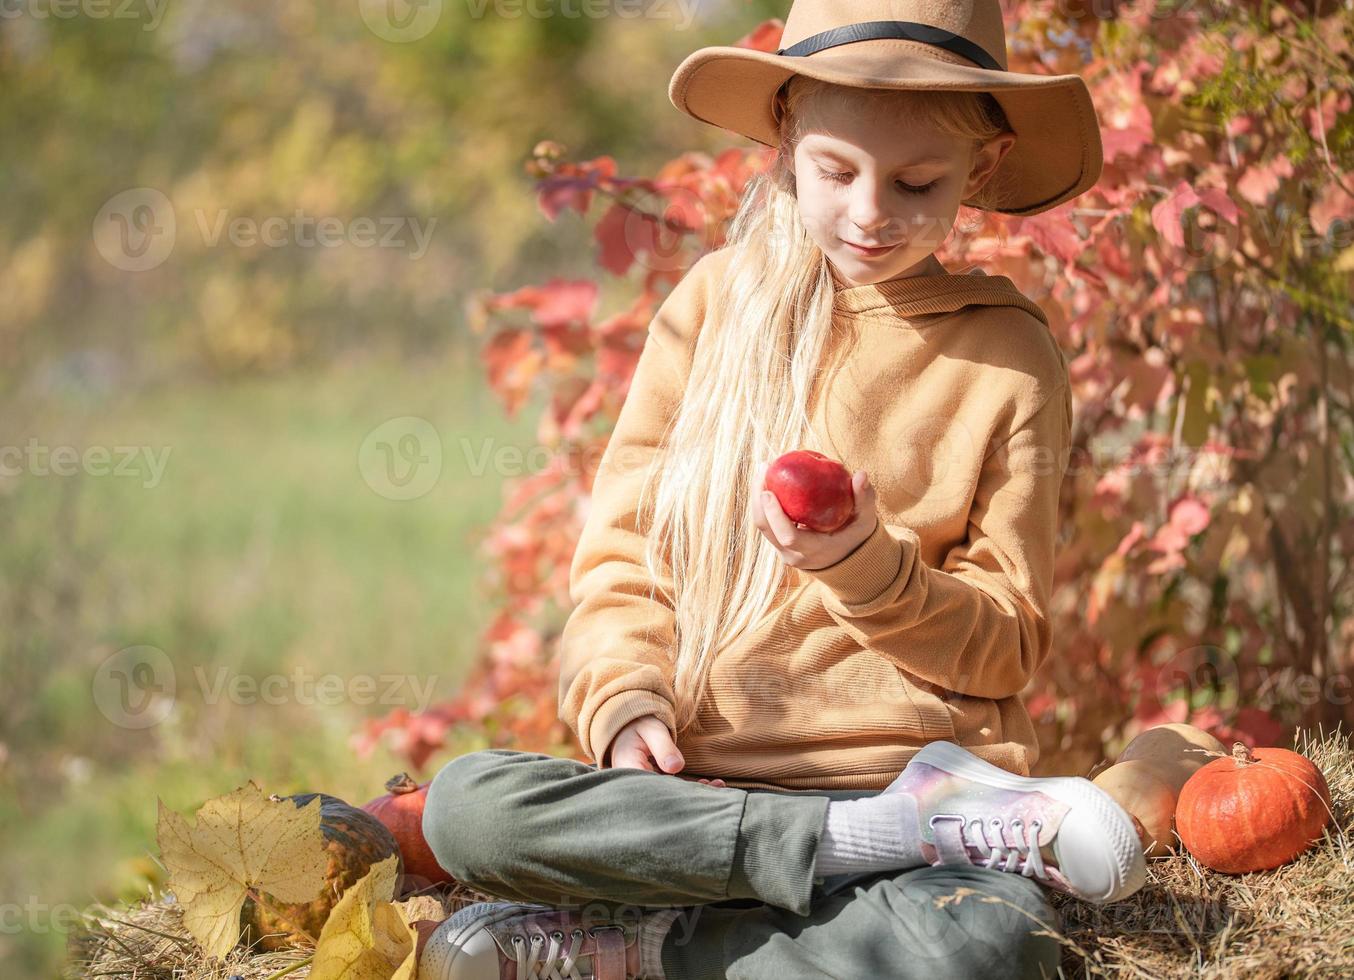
[(809, 550)]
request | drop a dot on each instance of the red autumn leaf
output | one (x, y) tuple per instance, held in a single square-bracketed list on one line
[(1126, 120), (1334, 102), (1168, 215), (1189, 515), (583, 409), (1332, 204), (1259, 182), (766, 36), (1052, 233), (1151, 713), (623, 234), (1134, 535), (1151, 378), (1222, 205), (1260, 725), (572, 185), (564, 301), (512, 364)]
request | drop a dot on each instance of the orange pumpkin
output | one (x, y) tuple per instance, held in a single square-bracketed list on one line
[(1254, 810), (401, 810)]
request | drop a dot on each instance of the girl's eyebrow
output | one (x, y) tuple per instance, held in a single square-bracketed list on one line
[(824, 151)]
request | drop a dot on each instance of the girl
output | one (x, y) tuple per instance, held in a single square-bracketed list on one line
[(848, 701)]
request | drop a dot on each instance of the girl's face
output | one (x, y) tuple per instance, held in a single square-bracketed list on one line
[(872, 182)]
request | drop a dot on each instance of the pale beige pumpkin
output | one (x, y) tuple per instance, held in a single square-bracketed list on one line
[(1177, 751), (1141, 789)]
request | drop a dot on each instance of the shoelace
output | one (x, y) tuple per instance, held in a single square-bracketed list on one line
[(556, 965), (1023, 856)]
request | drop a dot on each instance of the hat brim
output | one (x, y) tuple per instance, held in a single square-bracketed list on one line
[(1057, 153)]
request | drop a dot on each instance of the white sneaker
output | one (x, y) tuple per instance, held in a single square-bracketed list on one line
[(1063, 831)]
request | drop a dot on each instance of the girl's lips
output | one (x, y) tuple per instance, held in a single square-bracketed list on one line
[(869, 252)]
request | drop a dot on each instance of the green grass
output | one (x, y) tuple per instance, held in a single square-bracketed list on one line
[(261, 551)]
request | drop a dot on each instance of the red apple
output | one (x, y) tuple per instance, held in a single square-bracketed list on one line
[(812, 489)]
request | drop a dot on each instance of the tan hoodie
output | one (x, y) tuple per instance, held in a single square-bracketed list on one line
[(955, 399)]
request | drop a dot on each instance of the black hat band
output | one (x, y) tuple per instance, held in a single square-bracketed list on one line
[(905, 30)]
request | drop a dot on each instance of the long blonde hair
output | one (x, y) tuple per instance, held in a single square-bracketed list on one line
[(768, 332)]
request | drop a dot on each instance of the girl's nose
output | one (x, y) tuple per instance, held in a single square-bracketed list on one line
[(868, 211)]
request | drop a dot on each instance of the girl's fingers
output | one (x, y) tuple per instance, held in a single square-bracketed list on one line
[(782, 526), (630, 760), (867, 492), (759, 513), (656, 737)]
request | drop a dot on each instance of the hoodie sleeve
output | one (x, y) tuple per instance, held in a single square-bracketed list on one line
[(979, 624), (616, 649)]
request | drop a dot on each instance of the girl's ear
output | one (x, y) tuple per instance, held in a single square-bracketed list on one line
[(986, 160)]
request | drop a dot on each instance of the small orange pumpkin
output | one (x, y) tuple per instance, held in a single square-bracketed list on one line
[(1254, 810), (401, 810)]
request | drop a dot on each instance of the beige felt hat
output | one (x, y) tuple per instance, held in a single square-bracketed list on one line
[(958, 45)]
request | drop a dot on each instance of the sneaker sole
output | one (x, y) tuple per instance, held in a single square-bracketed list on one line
[(1129, 863)]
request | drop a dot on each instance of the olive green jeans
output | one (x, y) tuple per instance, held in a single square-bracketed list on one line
[(530, 827)]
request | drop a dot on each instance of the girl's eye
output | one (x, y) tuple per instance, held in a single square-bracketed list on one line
[(841, 178)]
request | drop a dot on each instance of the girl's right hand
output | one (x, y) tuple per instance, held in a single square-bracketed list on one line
[(645, 743)]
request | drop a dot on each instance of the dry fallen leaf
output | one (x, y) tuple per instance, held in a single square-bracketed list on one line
[(422, 907), (366, 936), (241, 841)]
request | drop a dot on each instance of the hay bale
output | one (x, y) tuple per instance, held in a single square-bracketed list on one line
[(148, 941), (1190, 921)]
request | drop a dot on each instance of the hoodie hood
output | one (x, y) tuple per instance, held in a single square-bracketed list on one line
[(916, 296)]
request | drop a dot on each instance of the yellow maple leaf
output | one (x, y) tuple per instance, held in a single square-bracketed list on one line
[(366, 936), (241, 841)]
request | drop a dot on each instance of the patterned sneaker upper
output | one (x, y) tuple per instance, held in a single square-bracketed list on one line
[(530, 942), (1063, 831), (967, 822)]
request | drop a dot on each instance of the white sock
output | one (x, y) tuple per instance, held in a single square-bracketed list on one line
[(653, 931), (874, 833)]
